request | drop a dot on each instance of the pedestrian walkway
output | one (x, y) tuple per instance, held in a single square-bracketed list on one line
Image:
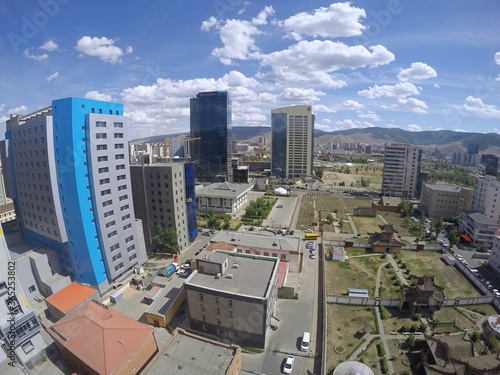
[(400, 273), (353, 227)]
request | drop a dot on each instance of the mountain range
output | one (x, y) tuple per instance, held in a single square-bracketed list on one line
[(445, 140)]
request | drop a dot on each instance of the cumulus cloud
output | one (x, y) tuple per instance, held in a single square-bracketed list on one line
[(52, 76), (337, 20), (29, 55), (497, 58), (301, 95), (21, 110), (414, 128), (103, 48), (353, 124), (96, 95), (323, 108), (414, 105), (313, 61), (50, 46), (261, 18), (353, 104), (209, 24), (476, 106), (436, 86), (370, 116), (399, 90), (417, 71)]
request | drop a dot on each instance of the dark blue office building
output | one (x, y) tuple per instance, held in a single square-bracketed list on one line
[(211, 121)]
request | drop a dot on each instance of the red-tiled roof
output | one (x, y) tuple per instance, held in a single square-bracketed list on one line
[(282, 273), (100, 337), (70, 297)]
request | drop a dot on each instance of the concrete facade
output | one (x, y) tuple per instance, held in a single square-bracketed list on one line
[(223, 197), (444, 201), (292, 141), (480, 228), (494, 259), (401, 170), (233, 296), (159, 193), (486, 197)]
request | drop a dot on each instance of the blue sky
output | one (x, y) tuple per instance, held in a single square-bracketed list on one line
[(416, 65)]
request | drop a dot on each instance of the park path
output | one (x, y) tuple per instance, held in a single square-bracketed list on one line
[(400, 274)]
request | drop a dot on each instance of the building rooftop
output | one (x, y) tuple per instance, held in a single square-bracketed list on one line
[(258, 240), (100, 337), (190, 354), (163, 302), (70, 297), (480, 218), (250, 274), (224, 189), (446, 188)]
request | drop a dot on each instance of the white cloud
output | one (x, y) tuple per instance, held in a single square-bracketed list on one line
[(399, 90), (313, 61), (352, 104), (353, 124), (417, 71), (476, 106), (261, 18), (323, 108), (246, 4), (49, 45), (414, 105), (52, 76), (436, 86), (102, 48), (498, 78), (210, 23), (370, 116), (21, 110), (300, 95), (29, 55), (414, 128), (96, 95), (339, 19), (497, 58)]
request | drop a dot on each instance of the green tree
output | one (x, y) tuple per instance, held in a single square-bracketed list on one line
[(318, 171), (454, 237), (166, 240), (406, 207), (410, 341), (329, 218)]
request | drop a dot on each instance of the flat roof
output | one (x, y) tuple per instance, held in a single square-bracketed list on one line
[(251, 277), (71, 296), (448, 188), (479, 218), (265, 241), (164, 301), (190, 354), (224, 189)]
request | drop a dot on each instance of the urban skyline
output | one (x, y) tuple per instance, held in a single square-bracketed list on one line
[(359, 64)]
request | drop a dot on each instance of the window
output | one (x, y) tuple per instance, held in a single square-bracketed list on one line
[(129, 238), (28, 346), (122, 187), (110, 224), (104, 181), (123, 208), (124, 197), (116, 246), (217, 311), (121, 177), (118, 146), (125, 217), (112, 234), (230, 314), (119, 156), (31, 289), (117, 256), (107, 203), (101, 135), (132, 257), (119, 266), (127, 226), (105, 192), (217, 301), (103, 170), (102, 158), (109, 213), (202, 308), (102, 147), (230, 303), (120, 167), (100, 124), (201, 297), (130, 248), (118, 135), (118, 124)]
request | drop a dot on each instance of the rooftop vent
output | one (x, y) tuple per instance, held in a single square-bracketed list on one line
[(218, 276), (275, 243), (229, 276), (236, 265)]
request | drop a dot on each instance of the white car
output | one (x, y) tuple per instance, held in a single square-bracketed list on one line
[(182, 272), (288, 366), (308, 231)]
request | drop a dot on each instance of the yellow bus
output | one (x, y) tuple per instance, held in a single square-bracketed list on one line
[(311, 236)]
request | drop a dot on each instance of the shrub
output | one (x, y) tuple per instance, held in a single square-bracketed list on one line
[(384, 366), (405, 328), (414, 327), (384, 314), (475, 336), (423, 327), (380, 350), (417, 316)]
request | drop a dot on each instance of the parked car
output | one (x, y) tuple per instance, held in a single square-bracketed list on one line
[(206, 233), (288, 366), (312, 255), (292, 232), (308, 231), (186, 266), (183, 272)]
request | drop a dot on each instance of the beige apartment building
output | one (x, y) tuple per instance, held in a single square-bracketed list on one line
[(401, 174), (444, 201)]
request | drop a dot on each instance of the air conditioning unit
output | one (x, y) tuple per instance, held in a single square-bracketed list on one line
[(218, 276), (229, 276)]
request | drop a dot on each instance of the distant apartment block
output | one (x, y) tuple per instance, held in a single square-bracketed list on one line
[(292, 141), (444, 201), (490, 165), (211, 120), (494, 259), (486, 197), (478, 228), (164, 196), (19, 327), (70, 181), (223, 197), (233, 296), (401, 174)]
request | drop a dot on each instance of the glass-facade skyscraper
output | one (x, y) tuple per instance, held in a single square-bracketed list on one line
[(210, 120)]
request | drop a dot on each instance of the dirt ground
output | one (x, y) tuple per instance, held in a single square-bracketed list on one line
[(332, 179)]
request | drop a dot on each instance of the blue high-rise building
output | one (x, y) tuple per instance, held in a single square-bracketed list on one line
[(210, 120), (69, 176)]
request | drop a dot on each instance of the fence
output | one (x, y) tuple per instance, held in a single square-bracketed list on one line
[(363, 301), (365, 245)]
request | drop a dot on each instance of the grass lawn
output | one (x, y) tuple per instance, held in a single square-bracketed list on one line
[(345, 325), (429, 263), (387, 287), (396, 220), (396, 320), (365, 225), (463, 319), (370, 356), (332, 179)]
